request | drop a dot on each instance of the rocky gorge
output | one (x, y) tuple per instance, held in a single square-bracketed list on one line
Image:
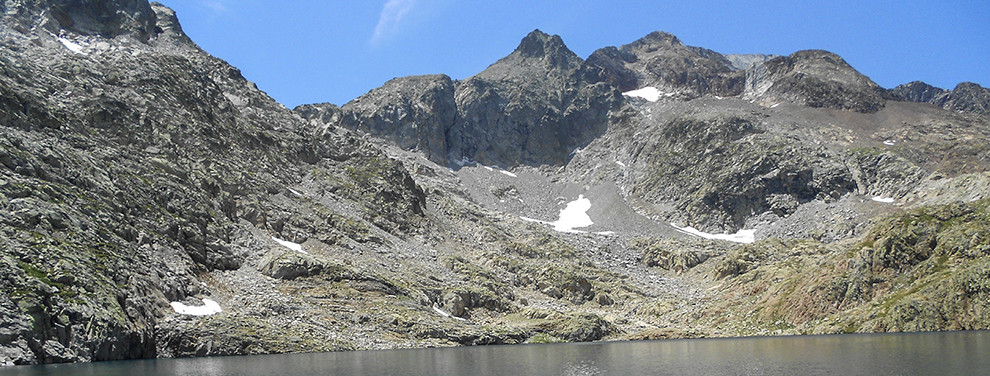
[(155, 203)]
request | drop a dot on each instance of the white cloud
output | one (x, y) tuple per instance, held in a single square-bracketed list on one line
[(214, 5), (392, 14)]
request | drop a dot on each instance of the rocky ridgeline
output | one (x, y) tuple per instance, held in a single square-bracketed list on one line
[(532, 107), (141, 176), (966, 97)]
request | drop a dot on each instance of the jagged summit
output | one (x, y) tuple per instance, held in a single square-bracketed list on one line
[(539, 45), (538, 54)]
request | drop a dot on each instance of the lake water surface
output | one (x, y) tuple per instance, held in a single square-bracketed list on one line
[(948, 353)]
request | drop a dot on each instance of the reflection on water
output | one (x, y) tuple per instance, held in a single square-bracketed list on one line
[(950, 353)]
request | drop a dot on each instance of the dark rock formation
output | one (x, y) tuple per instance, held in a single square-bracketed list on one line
[(107, 18), (918, 91), (663, 61), (413, 112), (966, 97), (816, 79), (531, 107)]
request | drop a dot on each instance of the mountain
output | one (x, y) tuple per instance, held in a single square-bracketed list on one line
[(966, 97), (155, 203)]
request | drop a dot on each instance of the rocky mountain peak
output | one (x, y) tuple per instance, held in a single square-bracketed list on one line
[(106, 18), (965, 97), (815, 78), (917, 91), (539, 44), (538, 54), (661, 60), (655, 41)]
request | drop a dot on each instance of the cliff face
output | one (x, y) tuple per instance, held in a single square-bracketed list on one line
[(140, 176)]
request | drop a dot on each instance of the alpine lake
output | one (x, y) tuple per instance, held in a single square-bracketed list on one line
[(937, 353)]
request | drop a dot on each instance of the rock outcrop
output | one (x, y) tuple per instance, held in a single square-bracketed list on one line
[(416, 113), (531, 107), (661, 60), (816, 79), (966, 97)]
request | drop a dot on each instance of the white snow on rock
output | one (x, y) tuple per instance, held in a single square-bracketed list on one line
[(507, 173), (889, 143), (465, 161), (445, 314), (620, 163), (290, 245), (649, 93), (72, 46), (209, 307), (743, 236), (575, 215), (885, 200)]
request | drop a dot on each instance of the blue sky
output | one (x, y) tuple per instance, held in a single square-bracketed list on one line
[(333, 51)]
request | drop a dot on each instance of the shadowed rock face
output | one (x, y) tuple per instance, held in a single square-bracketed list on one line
[(108, 18), (966, 97), (413, 112), (532, 107), (918, 91), (816, 79)]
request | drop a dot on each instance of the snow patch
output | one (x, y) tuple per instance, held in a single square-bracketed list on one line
[(575, 215), (465, 161), (295, 192), (743, 236), (209, 307), (885, 200), (507, 173), (889, 143), (605, 233), (445, 314), (290, 245), (649, 93), (489, 168), (775, 105), (620, 163), (72, 46)]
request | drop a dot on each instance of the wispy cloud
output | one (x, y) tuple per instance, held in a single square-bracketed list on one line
[(216, 6), (392, 14)]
